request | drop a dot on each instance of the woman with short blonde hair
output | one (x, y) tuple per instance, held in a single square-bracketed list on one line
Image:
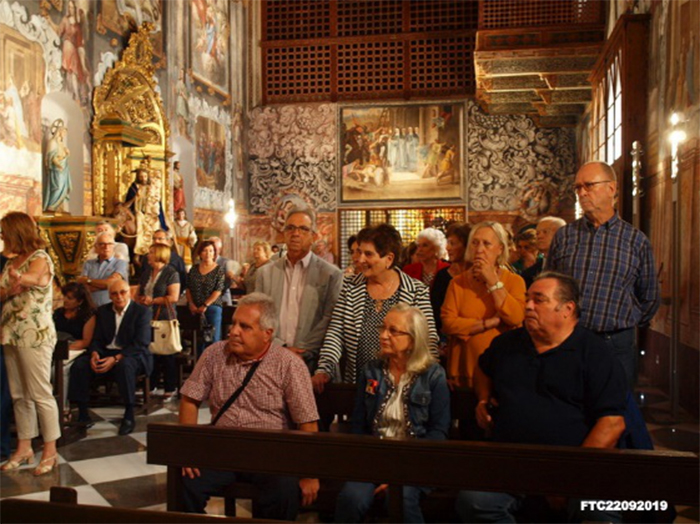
[(262, 252)]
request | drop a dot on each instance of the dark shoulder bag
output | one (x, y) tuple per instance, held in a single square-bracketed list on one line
[(236, 393)]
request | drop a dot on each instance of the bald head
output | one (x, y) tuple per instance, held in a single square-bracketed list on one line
[(119, 294), (596, 187)]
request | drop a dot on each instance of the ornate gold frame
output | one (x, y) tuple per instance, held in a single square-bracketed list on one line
[(130, 124)]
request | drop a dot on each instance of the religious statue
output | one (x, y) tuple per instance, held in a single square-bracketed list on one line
[(185, 237), (178, 189), (58, 184), (143, 198)]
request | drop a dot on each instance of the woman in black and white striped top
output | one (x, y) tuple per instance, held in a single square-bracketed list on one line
[(364, 302)]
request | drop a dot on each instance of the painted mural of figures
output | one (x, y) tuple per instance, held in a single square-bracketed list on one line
[(431, 163), (73, 30), (58, 183), (394, 149), (412, 141), (182, 108), (31, 103), (447, 171), (20, 127), (140, 10), (213, 29), (178, 188), (8, 133), (185, 237)]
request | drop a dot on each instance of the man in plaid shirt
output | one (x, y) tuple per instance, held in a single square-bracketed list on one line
[(278, 396), (613, 263)]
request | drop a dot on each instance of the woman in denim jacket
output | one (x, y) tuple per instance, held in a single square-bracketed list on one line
[(404, 394)]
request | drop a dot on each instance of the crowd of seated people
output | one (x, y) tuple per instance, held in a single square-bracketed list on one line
[(305, 323)]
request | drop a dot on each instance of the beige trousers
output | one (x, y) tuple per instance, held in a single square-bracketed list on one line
[(29, 376)]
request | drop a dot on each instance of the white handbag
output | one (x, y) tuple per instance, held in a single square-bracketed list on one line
[(166, 334)]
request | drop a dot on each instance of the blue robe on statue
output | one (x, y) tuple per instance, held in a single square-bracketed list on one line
[(58, 184)]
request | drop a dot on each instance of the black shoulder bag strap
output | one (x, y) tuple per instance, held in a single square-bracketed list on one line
[(236, 393)]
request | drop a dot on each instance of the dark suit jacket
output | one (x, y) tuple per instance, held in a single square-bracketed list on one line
[(134, 333)]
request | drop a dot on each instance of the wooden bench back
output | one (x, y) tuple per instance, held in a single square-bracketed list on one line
[(583, 473)]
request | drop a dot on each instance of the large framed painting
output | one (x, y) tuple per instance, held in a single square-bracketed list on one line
[(401, 152), (210, 34), (211, 154)]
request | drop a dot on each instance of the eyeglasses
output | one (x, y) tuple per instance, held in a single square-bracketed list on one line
[(589, 185), (105, 243), (393, 332), (289, 228)]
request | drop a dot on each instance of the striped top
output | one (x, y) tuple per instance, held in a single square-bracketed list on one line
[(614, 265), (346, 325)]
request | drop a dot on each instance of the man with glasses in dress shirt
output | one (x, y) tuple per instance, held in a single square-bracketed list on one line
[(100, 272), (613, 263), (304, 287)]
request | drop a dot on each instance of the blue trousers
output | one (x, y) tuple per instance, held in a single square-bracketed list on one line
[(5, 408), (356, 498), (623, 344), (486, 506), (213, 315), (278, 497)]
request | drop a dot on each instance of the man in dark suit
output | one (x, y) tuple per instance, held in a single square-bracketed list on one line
[(119, 350)]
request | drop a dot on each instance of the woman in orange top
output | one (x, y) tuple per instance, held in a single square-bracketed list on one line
[(481, 303)]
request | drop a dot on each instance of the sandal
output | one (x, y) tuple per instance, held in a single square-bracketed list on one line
[(44, 467), (16, 461)]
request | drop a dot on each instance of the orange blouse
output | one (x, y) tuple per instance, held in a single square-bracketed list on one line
[(467, 301)]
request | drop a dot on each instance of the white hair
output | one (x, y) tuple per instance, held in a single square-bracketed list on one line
[(437, 238), (266, 306), (560, 222)]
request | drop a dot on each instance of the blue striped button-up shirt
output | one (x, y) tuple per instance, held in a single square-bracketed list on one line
[(614, 265)]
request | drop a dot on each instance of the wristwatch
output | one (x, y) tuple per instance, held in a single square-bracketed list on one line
[(498, 285)]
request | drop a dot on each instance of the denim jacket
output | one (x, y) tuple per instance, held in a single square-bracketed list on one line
[(427, 405)]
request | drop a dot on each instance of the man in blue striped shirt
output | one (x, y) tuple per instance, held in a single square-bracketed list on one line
[(613, 263)]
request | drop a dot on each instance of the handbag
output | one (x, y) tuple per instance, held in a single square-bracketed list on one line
[(166, 334), (207, 330)]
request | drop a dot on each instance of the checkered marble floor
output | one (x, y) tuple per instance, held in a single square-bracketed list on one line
[(107, 469), (110, 470)]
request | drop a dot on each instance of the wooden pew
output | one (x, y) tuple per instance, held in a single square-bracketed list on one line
[(582, 473)]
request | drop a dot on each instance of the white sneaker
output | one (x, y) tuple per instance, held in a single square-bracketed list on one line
[(170, 397), (157, 392)]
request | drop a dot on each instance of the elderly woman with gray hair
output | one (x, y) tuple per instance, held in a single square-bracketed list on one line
[(481, 303), (431, 250), (402, 394)]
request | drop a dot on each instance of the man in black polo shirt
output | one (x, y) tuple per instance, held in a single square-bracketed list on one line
[(551, 382)]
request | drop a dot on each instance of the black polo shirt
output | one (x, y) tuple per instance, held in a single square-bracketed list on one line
[(555, 397)]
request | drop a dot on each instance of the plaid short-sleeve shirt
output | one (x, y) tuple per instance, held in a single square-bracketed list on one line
[(278, 396)]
